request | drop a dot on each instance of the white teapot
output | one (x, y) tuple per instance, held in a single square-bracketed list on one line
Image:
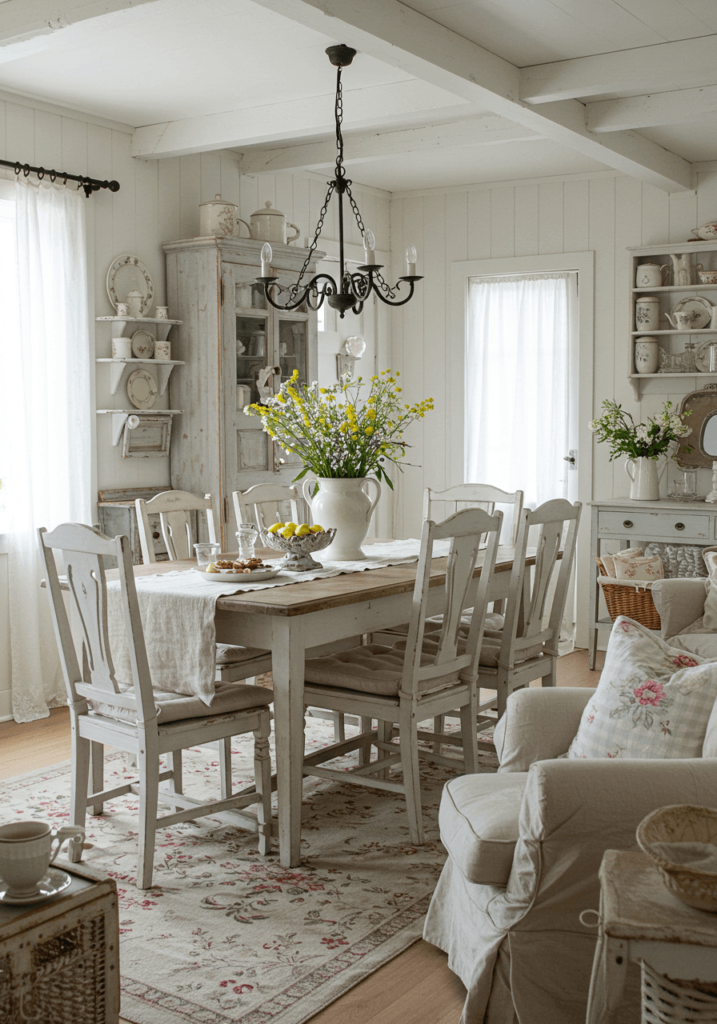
[(269, 225)]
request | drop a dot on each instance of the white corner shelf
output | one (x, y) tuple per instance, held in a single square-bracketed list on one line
[(118, 367), (120, 322), (120, 416)]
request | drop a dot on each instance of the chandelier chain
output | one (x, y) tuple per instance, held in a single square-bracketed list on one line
[(294, 290)]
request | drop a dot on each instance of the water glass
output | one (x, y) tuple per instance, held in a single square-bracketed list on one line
[(206, 553), (247, 536)]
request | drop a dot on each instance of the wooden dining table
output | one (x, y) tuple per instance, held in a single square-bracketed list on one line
[(309, 618)]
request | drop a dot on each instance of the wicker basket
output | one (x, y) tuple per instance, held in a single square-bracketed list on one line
[(626, 599), (666, 1001), (682, 823)]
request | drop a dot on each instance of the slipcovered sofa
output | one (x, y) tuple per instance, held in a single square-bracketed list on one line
[(681, 604), (524, 850)]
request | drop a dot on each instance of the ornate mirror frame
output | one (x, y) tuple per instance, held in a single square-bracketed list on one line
[(703, 406)]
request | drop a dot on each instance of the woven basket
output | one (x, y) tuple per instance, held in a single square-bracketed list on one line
[(626, 599), (665, 1001), (682, 823)]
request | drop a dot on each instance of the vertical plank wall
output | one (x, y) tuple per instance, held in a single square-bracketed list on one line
[(603, 212)]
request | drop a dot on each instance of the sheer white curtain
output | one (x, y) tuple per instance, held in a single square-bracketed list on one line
[(46, 422), (517, 353)]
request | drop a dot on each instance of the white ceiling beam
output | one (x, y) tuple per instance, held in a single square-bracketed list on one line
[(651, 110), (363, 146), (376, 105), (21, 20), (403, 38), (685, 64)]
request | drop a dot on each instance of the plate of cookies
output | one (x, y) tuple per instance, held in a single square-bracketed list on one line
[(245, 570)]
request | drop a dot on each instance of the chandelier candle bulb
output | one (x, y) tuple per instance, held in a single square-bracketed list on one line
[(411, 260), (266, 257), (369, 244)]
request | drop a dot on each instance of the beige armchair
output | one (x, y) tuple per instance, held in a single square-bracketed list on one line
[(524, 850), (681, 604)]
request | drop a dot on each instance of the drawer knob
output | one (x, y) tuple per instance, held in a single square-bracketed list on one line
[(679, 526), (155, 535), (628, 524)]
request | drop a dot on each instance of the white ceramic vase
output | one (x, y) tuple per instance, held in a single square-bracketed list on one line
[(343, 503), (644, 478)]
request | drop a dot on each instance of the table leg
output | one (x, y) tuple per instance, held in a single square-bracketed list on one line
[(287, 666)]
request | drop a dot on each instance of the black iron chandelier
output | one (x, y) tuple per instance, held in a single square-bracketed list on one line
[(353, 288)]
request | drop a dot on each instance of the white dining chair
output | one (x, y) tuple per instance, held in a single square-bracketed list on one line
[(378, 682), (140, 720), (262, 506), (234, 663)]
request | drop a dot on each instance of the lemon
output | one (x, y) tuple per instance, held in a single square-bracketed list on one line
[(292, 525), (303, 530), (316, 528), (288, 531), (276, 527), (211, 568)]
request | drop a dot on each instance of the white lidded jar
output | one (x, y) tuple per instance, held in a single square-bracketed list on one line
[(647, 355), (647, 313)]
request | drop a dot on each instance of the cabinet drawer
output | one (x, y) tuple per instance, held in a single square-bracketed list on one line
[(656, 524)]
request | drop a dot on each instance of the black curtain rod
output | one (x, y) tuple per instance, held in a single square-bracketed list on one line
[(90, 185)]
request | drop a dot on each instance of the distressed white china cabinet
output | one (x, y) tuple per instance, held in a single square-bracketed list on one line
[(680, 260), (231, 341)]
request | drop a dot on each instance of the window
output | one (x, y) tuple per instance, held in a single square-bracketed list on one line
[(518, 352)]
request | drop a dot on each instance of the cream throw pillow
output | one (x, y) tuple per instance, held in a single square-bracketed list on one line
[(630, 567), (652, 700), (608, 561)]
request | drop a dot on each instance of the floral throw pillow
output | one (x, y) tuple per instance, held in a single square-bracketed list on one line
[(634, 568), (652, 699)]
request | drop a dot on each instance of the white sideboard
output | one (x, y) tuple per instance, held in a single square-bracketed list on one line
[(628, 522)]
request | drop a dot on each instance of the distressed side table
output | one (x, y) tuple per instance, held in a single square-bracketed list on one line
[(59, 959), (641, 921)]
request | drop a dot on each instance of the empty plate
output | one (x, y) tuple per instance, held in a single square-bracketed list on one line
[(142, 344), (142, 389)]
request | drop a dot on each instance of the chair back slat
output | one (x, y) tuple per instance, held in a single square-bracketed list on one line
[(83, 552), (173, 508), (538, 596), (469, 495), (466, 530), (266, 504)]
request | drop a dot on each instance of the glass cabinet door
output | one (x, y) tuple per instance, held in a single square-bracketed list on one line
[(252, 356), (293, 351)]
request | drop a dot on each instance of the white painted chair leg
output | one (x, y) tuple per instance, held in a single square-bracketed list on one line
[(262, 778), (250, 680), (411, 777), (385, 731), (551, 678), (148, 761), (439, 723), (364, 752), (469, 735), (78, 792), (339, 728), (174, 764), (225, 767), (97, 774)]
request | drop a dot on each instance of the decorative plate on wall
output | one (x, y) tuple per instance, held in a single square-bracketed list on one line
[(128, 273), (142, 344), (142, 389), (700, 308)]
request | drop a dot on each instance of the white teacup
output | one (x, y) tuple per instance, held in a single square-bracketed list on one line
[(27, 848), (162, 312)]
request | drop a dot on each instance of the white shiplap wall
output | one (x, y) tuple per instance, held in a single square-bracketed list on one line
[(602, 212), (158, 201)]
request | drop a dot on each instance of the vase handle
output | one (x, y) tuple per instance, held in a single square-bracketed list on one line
[(374, 503), (661, 470), (628, 464), (305, 485)]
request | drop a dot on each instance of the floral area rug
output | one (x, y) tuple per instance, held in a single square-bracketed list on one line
[(226, 935)]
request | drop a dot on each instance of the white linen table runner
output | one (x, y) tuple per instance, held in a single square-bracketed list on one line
[(178, 608)]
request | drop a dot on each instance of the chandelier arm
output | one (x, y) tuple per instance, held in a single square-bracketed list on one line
[(312, 248), (389, 301), (288, 306)]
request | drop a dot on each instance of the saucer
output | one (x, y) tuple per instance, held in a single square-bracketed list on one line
[(54, 881)]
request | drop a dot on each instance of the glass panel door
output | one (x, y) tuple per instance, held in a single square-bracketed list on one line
[(293, 349), (251, 356)]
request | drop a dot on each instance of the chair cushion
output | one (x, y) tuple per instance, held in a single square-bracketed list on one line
[(174, 707), (479, 817), (228, 655), (652, 701), (492, 621), (492, 641), (371, 668)]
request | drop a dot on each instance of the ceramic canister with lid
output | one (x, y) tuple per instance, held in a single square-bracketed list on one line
[(647, 355), (647, 313), (217, 217), (269, 225)]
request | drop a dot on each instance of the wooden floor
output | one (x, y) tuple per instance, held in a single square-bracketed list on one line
[(414, 988)]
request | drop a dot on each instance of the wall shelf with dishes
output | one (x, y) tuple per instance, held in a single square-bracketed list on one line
[(673, 314), (141, 359)]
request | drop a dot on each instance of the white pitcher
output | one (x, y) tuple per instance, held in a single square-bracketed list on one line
[(644, 478), (343, 503)]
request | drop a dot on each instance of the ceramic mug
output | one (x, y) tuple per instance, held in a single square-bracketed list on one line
[(135, 301), (122, 309), (162, 350), (649, 275), (121, 348), (162, 312), (27, 848)]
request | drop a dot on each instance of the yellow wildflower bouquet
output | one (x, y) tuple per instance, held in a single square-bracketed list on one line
[(336, 434)]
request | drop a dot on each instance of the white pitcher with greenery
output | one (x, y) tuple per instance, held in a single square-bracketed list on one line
[(346, 443), (644, 443)]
